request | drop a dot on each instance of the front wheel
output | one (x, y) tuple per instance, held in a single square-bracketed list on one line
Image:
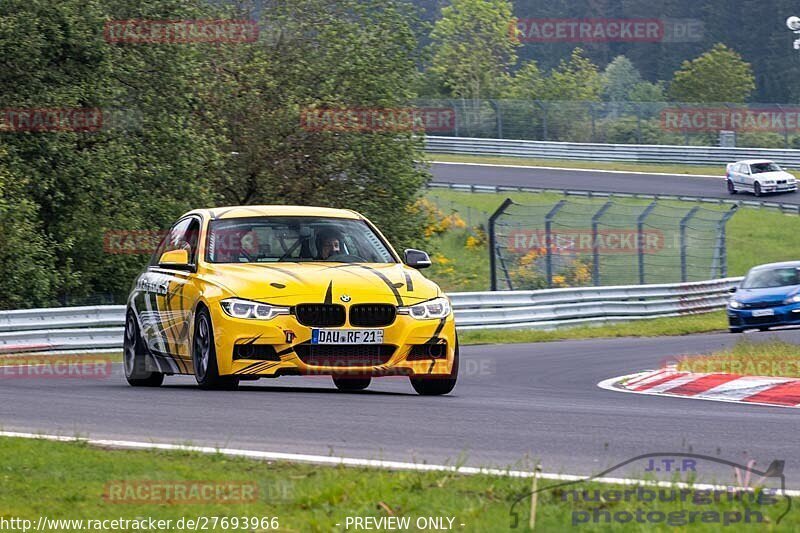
[(204, 356), (735, 330), (134, 357), (757, 189), (731, 188), (437, 385)]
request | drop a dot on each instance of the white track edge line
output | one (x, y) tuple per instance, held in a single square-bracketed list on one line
[(369, 463), (639, 173), (609, 384)]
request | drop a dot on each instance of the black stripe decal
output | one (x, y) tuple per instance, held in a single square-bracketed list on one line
[(387, 281), (329, 294), (435, 338), (409, 283)]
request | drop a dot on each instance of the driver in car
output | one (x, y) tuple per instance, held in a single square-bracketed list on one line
[(329, 243)]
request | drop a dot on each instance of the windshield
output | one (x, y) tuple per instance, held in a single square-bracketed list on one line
[(760, 168), (294, 239), (773, 277)]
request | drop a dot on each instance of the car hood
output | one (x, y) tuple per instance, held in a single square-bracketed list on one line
[(768, 295), (776, 175), (293, 283)]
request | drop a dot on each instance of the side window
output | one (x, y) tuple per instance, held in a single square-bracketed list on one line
[(746, 169), (183, 236)]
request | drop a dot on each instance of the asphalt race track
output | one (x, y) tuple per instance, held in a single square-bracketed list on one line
[(596, 181), (513, 401)]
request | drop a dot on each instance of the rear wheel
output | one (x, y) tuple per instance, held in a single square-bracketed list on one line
[(356, 383), (757, 189), (204, 356), (731, 187), (134, 356), (763, 329), (437, 385), (735, 330)]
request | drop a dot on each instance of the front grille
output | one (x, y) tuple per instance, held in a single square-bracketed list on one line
[(320, 315), (761, 305), (372, 315), (760, 320), (344, 355), (782, 182)]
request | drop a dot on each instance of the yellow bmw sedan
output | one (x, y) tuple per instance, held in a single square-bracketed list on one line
[(243, 293)]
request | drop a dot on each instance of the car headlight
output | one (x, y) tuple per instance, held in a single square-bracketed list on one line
[(769, 182), (735, 304), (436, 308), (792, 300), (246, 309)]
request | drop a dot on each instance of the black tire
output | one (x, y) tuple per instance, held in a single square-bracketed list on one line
[(763, 329), (735, 330), (437, 385), (134, 356), (757, 189), (731, 188), (350, 384), (204, 356)]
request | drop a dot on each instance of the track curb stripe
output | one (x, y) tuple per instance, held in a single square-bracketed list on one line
[(752, 390)]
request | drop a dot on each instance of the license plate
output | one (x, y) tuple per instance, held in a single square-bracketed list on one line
[(346, 336), (763, 312)]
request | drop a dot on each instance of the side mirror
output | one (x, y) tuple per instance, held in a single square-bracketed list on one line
[(417, 258), (174, 259), (732, 290)]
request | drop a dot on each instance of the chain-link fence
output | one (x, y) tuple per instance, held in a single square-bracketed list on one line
[(671, 123), (615, 241)]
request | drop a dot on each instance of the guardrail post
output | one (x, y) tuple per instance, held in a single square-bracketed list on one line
[(684, 223), (548, 221), (493, 242), (498, 114), (595, 244), (640, 234)]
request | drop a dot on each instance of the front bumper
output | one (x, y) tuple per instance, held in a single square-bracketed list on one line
[(783, 315), (288, 342), (778, 188)]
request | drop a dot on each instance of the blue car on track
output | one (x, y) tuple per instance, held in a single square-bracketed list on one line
[(768, 297)]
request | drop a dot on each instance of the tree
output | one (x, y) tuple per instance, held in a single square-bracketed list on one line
[(356, 57), (473, 47), (719, 75), (620, 78), (576, 80)]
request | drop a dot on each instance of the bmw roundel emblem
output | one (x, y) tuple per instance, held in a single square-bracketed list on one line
[(345, 298)]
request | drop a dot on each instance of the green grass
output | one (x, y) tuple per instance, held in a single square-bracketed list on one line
[(749, 358), (69, 481), (657, 327), (560, 163)]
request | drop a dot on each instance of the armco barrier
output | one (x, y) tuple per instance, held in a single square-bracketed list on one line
[(631, 153), (101, 327)]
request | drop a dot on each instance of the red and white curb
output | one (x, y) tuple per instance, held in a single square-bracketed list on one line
[(756, 390)]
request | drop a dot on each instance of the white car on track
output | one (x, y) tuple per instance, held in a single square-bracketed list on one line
[(759, 176)]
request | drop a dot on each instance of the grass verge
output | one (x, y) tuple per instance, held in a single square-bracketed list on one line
[(561, 163), (657, 327), (748, 358), (75, 481)]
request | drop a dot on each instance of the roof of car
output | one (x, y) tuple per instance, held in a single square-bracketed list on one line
[(785, 264), (754, 161), (245, 211)]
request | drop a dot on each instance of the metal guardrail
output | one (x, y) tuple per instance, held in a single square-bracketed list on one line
[(494, 189), (101, 327), (636, 153)]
